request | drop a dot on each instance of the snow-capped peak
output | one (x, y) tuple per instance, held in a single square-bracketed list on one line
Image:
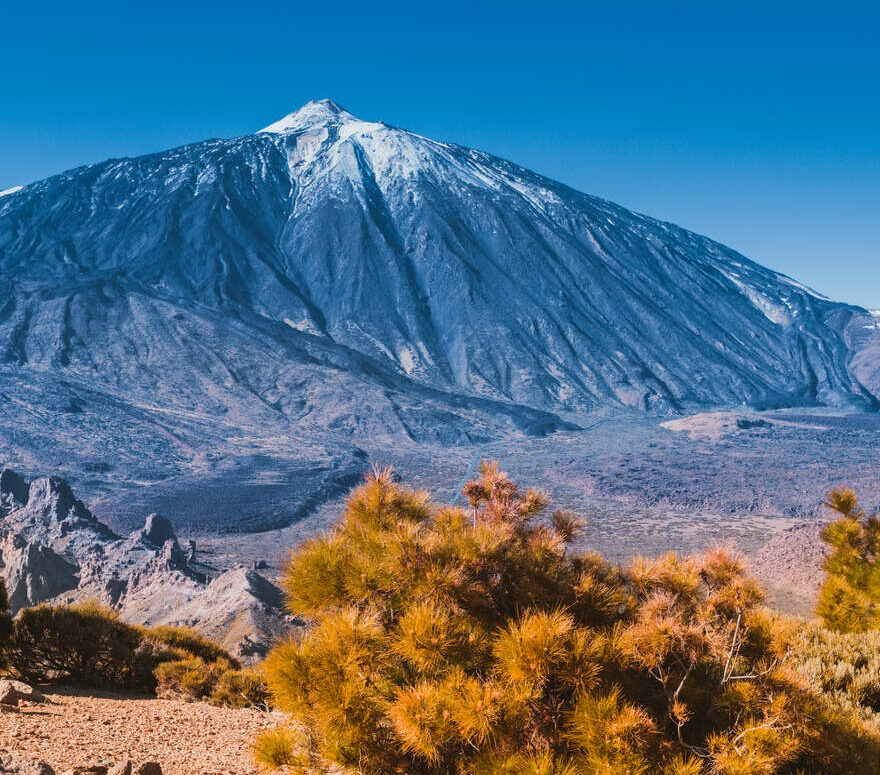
[(8, 191), (313, 113)]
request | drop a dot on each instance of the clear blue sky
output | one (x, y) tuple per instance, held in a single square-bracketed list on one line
[(757, 124)]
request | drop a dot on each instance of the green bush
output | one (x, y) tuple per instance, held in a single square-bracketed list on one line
[(444, 643), (280, 747), (85, 644), (5, 622), (90, 645)]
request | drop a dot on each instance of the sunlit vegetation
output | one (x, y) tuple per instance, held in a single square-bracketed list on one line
[(469, 641), (849, 600), (89, 645)]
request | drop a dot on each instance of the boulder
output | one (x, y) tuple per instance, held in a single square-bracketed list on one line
[(15, 765), (123, 768), (148, 768), (13, 692)]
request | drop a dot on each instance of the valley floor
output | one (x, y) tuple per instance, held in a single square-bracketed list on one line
[(85, 727), (752, 480)]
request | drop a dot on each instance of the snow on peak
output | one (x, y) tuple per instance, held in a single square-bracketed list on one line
[(313, 113), (8, 191)]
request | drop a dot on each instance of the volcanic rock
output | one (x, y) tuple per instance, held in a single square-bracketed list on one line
[(53, 549)]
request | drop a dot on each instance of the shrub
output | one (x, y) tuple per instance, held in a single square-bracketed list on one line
[(843, 666), (190, 641), (440, 646), (191, 678), (280, 747), (241, 689), (90, 645), (85, 644), (219, 682), (849, 600)]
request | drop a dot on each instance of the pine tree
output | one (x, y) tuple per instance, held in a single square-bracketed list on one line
[(849, 600), (480, 642)]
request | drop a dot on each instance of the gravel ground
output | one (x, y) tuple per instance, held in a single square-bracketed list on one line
[(104, 728), (790, 568)]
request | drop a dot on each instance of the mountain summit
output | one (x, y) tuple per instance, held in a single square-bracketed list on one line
[(329, 283), (311, 114)]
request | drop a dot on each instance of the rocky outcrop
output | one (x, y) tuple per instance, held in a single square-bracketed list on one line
[(49, 512), (55, 550), (238, 609), (35, 572), (14, 692), (157, 531), (13, 489)]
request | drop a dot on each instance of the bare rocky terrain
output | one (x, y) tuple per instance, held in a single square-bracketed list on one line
[(790, 567), (647, 485), (79, 729)]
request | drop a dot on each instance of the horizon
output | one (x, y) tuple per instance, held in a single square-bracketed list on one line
[(753, 127)]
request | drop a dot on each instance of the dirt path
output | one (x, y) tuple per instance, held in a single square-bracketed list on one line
[(102, 728)]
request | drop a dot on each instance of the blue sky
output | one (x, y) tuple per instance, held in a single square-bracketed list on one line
[(755, 123)]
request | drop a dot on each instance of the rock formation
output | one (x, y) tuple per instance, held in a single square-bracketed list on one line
[(52, 549)]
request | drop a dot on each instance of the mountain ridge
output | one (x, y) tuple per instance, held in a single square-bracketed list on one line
[(308, 291)]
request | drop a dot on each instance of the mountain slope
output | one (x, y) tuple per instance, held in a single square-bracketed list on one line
[(329, 281)]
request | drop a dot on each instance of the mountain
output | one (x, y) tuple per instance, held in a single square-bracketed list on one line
[(327, 284)]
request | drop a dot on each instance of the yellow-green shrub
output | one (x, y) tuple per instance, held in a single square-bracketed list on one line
[(86, 644), (190, 678), (281, 747), (191, 642), (843, 666), (90, 645), (240, 689), (440, 647), (219, 682)]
